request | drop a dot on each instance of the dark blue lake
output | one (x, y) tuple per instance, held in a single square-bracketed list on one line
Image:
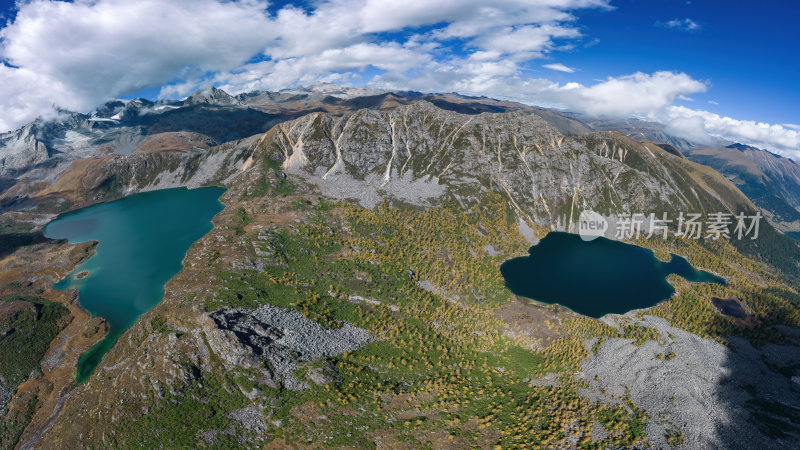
[(598, 277)]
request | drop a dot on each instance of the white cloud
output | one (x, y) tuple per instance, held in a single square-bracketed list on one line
[(630, 95), (559, 67), (712, 102), (527, 41), (651, 97), (77, 55), (24, 94), (686, 24), (306, 70), (699, 124)]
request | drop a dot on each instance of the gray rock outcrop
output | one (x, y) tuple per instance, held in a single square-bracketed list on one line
[(277, 339)]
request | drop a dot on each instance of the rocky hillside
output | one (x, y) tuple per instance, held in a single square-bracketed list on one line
[(772, 182), (425, 155), (546, 174), (38, 153), (41, 151)]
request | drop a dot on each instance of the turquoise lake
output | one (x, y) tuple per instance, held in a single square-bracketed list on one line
[(143, 239), (596, 278)]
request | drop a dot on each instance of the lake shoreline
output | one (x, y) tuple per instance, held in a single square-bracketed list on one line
[(142, 240), (598, 277)]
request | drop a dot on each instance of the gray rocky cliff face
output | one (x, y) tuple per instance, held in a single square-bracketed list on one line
[(21, 150), (212, 96), (548, 176), (389, 145)]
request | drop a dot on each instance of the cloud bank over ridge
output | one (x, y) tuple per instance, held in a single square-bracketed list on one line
[(78, 55)]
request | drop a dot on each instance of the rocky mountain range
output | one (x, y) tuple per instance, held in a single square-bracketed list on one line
[(770, 180), (550, 164), (41, 151)]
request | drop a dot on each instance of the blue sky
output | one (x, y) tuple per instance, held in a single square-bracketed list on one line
[(745, 49), (703, 68)]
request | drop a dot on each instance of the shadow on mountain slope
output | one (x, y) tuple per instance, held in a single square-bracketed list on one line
[(758, 395), (9, 242), (220, 124)]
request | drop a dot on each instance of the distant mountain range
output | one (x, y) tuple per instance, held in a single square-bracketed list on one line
[(771, 181), (36, 154)]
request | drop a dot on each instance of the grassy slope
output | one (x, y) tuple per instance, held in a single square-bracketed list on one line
[(25, 336), (443, 370)]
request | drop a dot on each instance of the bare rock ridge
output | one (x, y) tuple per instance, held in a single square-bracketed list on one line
[(213, 96), (21, 149), (421, 154), (546, 174)]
